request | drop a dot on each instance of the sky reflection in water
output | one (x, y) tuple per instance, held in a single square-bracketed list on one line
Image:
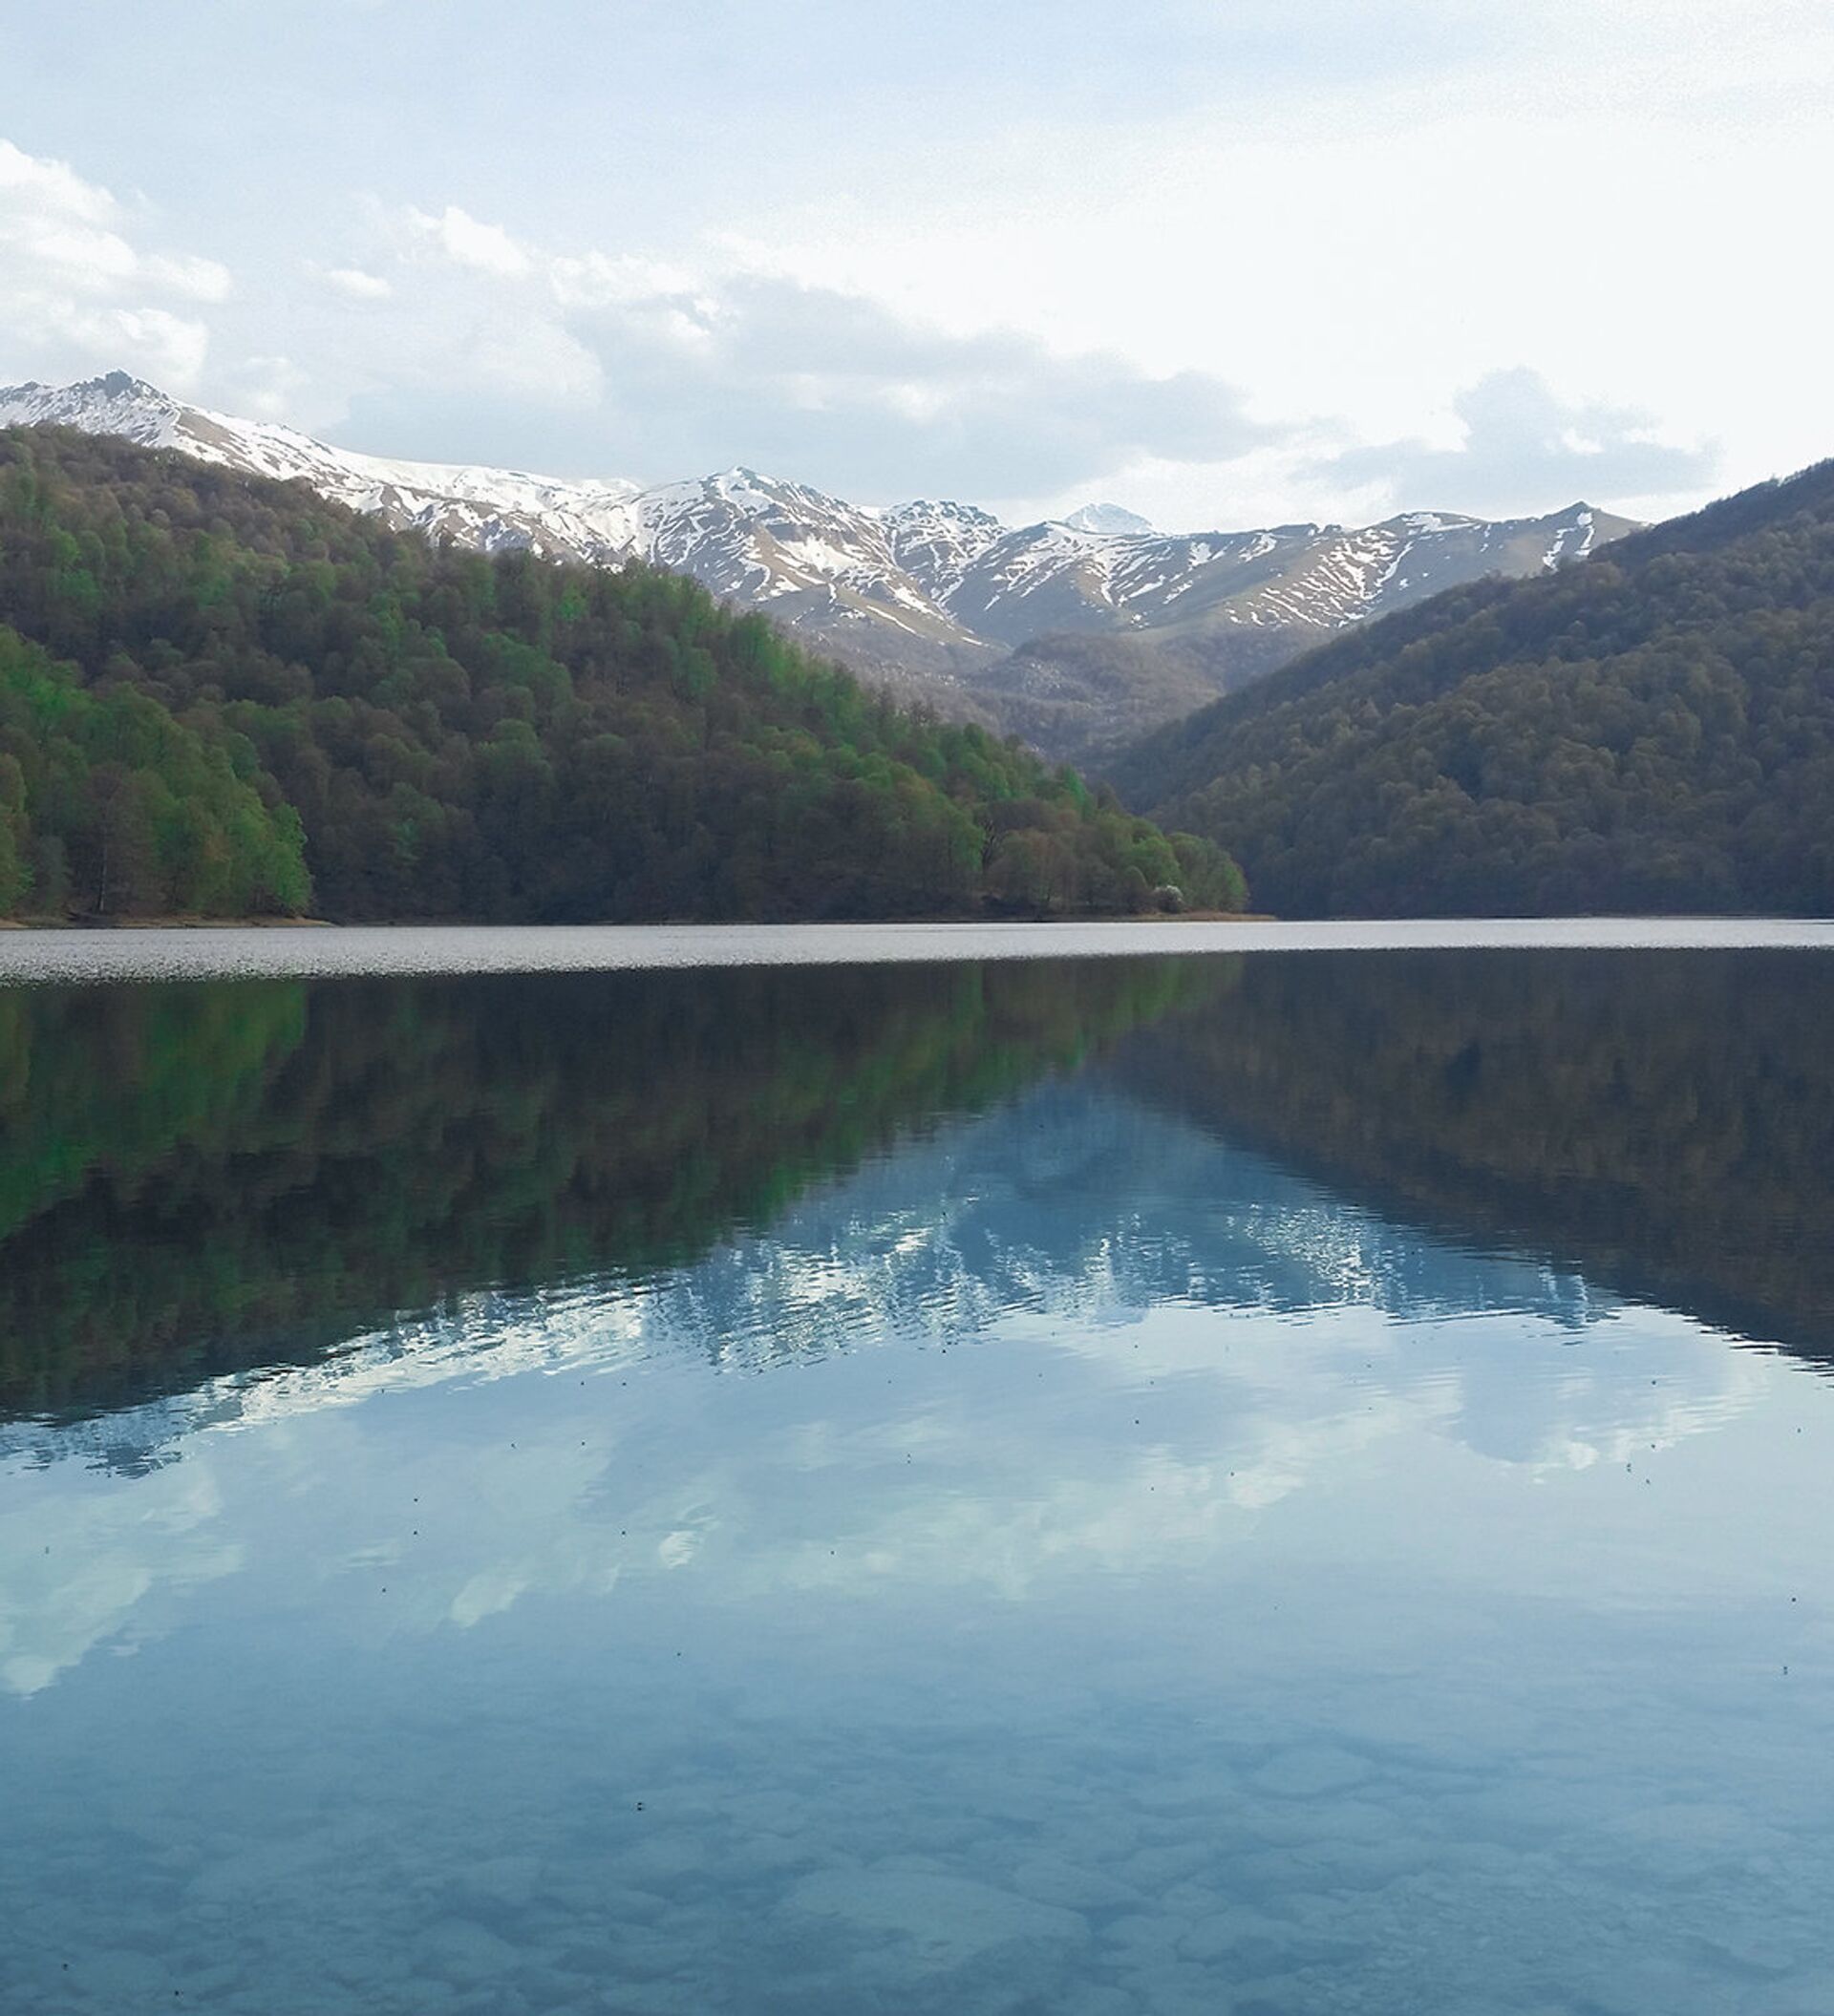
[(1068, 1561)]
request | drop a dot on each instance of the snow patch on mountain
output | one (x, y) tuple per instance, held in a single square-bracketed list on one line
[(1112, 521), (927, 595), (938, 542)]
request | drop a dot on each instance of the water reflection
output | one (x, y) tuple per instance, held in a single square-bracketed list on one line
[(1218, 1331), (207, 1178), (1664, 1120), (1073, 1208), (1070, 1523)]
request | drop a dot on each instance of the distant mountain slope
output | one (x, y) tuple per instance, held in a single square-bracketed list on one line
[(1651, 730), (214, 687), (931, 599)]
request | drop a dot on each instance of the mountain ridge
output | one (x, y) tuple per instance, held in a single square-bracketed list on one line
[(932, 600)]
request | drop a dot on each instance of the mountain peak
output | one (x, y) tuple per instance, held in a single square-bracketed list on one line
[(1110, 522), (122, 384), (107, 385), (749, 489)]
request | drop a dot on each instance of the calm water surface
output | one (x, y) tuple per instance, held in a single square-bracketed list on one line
[(1250, 1484)]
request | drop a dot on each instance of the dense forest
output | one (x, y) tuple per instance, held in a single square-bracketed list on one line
[(226, 696), (1651, 729), (201, 1178)]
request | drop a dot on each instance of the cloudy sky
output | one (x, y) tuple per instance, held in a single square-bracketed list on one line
[(1227, 263)]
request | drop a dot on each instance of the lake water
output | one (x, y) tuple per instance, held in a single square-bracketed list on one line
[(1250, 1484)]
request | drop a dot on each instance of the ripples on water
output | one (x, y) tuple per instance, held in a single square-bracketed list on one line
[(1261, 1486)]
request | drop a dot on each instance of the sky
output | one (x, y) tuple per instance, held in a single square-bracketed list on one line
[(1233, 263)]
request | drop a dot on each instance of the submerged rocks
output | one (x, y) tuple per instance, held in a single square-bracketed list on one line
[(1311, 1770), (942, 1920)]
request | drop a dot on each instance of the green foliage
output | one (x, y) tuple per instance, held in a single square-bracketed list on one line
[(498, 740), (1650, 731), (110, 803)]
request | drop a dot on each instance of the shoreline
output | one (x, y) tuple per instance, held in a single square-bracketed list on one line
[(230, 952), (105, 924)]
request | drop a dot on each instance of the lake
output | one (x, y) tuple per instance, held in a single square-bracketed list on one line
[(1246, 1475)]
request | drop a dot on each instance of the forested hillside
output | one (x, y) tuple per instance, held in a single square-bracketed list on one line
[(1652, 729), (224, 695)]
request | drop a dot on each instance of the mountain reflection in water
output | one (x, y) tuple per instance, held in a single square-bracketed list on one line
[(1122, 1488), (212, 1177), (218, 1175)]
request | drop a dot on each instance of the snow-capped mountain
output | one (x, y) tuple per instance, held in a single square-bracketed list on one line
[(817, 564), (1053, 579), (931, 598), (813, 561), (938, 543), (494, 509), (1116, 518)]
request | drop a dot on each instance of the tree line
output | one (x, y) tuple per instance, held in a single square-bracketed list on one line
[(228, 697)]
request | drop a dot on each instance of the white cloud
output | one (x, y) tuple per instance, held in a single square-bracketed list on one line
[(1517, 440), (172, 347), (1620, 203), (539, 361), (357, 285), (1348, 212), (267, 387), (52, 185), (467, 242), (57, 229), (197, 279), (660, 370), (597, 279), (75, 291)]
